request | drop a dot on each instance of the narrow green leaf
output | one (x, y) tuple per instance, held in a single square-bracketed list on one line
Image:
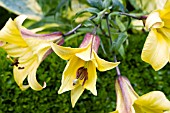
[(117, 5), (61, 4), (95, 3), (74, 35), (103, 48), (90, 10), (106, 3), (120, 24), (122, 51), (120, 40)]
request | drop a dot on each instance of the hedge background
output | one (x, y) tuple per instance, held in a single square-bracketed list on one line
[(143, 78)]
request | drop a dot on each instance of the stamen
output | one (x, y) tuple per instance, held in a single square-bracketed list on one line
[(15, 63), (8, 57), (81, 74), (86, 78), (20, 67)]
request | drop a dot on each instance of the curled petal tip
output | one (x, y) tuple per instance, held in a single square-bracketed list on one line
[(24, 87), (44, 86)]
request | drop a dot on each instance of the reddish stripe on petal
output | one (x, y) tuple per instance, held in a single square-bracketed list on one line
[(88, 38), (29, 34)]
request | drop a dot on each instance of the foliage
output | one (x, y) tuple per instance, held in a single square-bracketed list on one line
[(141, 74)]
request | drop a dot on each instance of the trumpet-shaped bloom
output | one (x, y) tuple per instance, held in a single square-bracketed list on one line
[(156, 50), (80, 71), (27, 50), (128, 100)]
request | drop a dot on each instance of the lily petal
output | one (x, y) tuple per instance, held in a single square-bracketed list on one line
[(14, 50), (69, 74), (155, 50), (10, 33), (125, 95), (65, 52), (21, 74), (20, 19), (86, 55), (33, 81), (115, 111), (153, 102), (39, 47), (75, 94), (90, 84), (154, 21), (104, 65), (165, 16), (19, 78), (167, 4)]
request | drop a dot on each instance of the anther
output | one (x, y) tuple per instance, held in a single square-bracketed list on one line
[(81, 74), (20, 67), (15, 63)]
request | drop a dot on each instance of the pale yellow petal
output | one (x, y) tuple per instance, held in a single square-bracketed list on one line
[(155, 50), (14, 50), (39, 47), (20, 19), (65, 52), (115, 111), (167, 111), (165, 33), (20, 77), (21, 74), (154, 21), (90, 84), (167, 4), (160, 3), (69, 74), (86, 55), (165, 16), (10, 33), (32, 81), (104, 65), (153, 102), (75, 94), (125, 95)]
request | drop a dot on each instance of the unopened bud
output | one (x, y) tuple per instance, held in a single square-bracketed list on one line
[(89, 37)]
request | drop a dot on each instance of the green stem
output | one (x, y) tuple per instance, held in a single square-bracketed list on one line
[(133, 16), (108, 27)]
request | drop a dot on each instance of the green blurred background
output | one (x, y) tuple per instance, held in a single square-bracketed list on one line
[(141, 75)]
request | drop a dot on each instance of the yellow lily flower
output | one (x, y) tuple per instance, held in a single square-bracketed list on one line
[(80, 71), (156, 50), (128, 100), (27, 49)]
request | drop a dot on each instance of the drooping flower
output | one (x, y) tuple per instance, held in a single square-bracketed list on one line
[(156, 50), (27, 50), (128, 100), (80, 71)]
